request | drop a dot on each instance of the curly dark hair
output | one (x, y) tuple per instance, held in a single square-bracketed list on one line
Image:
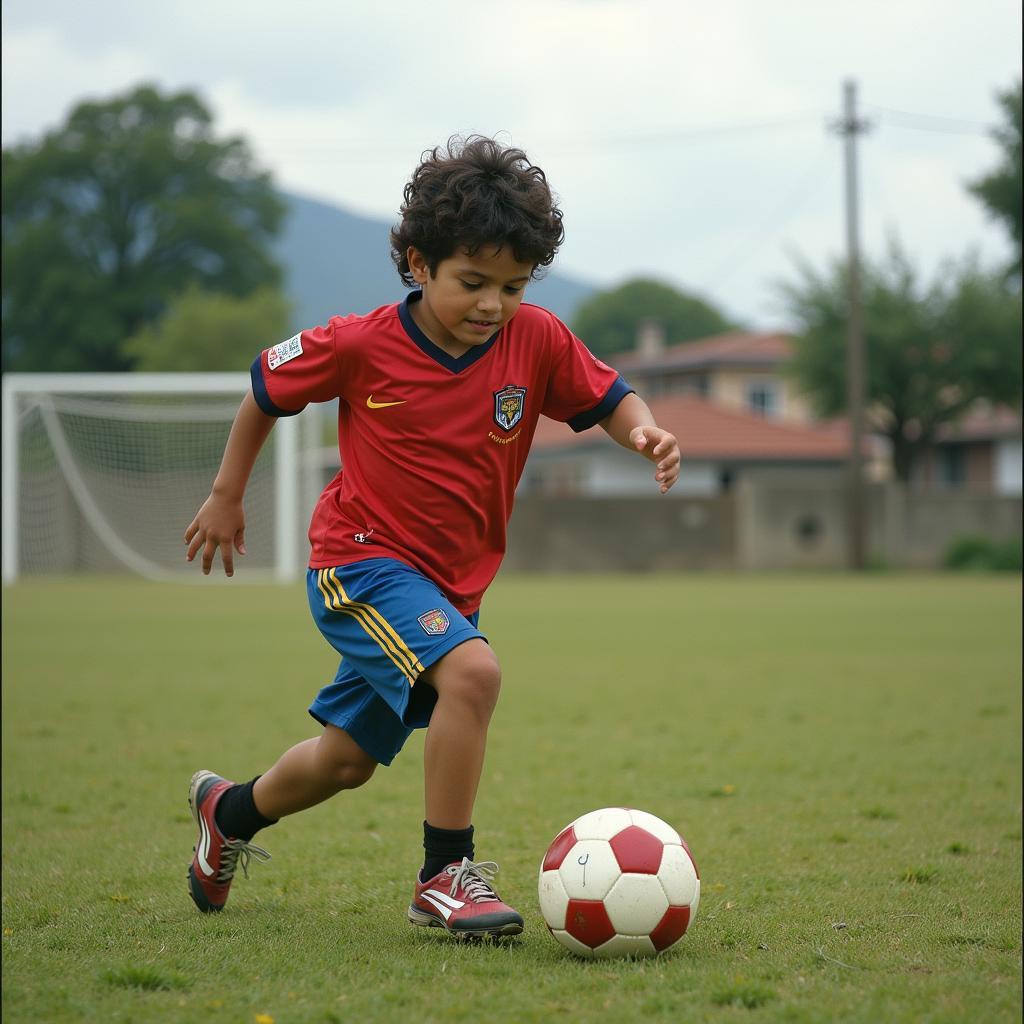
[(472, 193)]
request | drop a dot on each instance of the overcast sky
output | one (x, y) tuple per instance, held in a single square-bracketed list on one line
[(686, 140)]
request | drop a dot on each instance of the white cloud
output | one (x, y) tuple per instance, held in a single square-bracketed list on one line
[(633, 108), (42, 75)]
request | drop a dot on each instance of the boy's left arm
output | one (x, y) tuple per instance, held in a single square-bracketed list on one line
[(632, 426)]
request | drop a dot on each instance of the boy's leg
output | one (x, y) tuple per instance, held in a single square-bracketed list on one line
[(467, 680), (312, 771), (452, 892), (229, 815)]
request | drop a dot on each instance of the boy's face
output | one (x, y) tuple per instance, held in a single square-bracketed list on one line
[(468, 298)]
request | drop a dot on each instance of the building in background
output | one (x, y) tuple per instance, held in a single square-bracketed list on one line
[(734, 408), (981, 453), (741, 370), (726, 398), (718, 443)]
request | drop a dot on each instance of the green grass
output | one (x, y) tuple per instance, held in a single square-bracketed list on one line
[(842, 755)]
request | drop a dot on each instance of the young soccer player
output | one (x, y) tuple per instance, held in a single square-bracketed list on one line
[(439, 398)]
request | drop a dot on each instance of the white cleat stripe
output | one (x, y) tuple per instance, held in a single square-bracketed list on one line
[(429, 897), (204, 847), (445, 898)]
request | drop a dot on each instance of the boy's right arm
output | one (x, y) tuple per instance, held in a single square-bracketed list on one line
[(220, 523)]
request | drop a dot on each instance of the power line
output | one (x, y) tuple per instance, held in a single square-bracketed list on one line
[(781, 215), (929, 122), (371, 152)]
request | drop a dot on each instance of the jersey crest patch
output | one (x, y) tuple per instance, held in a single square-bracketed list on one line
[(509, 403), (435, 622), (280, 354)]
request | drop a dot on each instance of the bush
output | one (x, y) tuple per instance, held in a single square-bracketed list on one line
[(981, 554)]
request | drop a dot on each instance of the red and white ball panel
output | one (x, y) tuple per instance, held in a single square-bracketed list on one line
[(589, 870), (625, 945), (636, 904), (665, 832), (602, 824), (554, 900), (637, 850), (678, 874)]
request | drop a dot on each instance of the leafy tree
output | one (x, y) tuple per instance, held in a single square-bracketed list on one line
[(110, 216), (931, 352), (211, 331), (609, 321), (1001, 190)]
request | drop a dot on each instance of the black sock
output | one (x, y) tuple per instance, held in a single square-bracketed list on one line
[(236, 813), (444, 845)]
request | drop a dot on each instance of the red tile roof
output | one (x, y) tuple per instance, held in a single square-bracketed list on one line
[(739, 347), (983, 425), (709, 431)]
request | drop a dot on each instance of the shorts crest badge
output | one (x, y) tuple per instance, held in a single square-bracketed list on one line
[(435, 622), (509, 403)]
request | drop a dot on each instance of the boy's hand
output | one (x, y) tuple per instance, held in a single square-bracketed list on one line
[(662, 449), (220, 523)]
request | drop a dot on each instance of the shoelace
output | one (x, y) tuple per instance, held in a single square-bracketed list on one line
[(235, 852), (475, 879)]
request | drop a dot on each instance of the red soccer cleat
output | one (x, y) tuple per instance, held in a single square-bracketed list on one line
[(215, 856), (460, 899)]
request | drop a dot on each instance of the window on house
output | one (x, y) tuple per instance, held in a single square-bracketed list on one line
[(952, 465), (762, 398), (689, 384)]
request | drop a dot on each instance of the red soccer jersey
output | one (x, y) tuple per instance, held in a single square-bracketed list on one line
[(432, 447)]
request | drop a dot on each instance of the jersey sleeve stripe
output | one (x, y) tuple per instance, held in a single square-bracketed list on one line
[(260, 393), (615, 394)]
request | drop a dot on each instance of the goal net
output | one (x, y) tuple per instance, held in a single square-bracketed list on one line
[(102, 473)]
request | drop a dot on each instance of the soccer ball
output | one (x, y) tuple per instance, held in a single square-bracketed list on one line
[(618, 882)]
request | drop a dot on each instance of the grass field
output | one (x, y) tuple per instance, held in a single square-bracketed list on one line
[(842, 755)]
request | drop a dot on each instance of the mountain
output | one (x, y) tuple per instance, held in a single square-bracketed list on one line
[(336, 261)]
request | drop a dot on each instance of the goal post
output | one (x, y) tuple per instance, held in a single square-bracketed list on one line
[(103, 472)]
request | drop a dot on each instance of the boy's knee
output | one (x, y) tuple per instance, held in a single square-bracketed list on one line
[(343, 762), (471, 674), (352, 776), (347, 774)]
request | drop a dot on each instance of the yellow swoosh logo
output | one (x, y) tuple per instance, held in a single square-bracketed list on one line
[(371, 404)]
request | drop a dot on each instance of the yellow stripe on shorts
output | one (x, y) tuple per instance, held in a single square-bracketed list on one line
[(374, 624)]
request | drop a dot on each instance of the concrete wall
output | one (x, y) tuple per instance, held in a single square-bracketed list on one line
[(790, 521), (794, 522), (769, 522), (914, 528), (621, 534)]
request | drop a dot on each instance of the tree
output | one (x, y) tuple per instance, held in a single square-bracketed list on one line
[(609, 321), (1001, 190), (110, 216), (211, 331), (931, 352)]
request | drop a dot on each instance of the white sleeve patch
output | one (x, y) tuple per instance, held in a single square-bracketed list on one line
[(280, 354)]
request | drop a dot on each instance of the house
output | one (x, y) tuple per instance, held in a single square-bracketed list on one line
[(741, 370), (718, 444), (982, 452)]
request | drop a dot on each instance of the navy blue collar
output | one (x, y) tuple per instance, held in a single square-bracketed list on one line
[(434, 351)]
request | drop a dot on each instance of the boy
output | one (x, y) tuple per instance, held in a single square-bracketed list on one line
[(439, 398)]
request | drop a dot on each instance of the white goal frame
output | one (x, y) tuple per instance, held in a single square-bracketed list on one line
[(287, 469)]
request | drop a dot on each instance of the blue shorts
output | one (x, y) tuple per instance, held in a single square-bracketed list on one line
[(390, 624)]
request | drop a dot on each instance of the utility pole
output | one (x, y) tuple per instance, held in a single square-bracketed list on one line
[(850, 127)]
